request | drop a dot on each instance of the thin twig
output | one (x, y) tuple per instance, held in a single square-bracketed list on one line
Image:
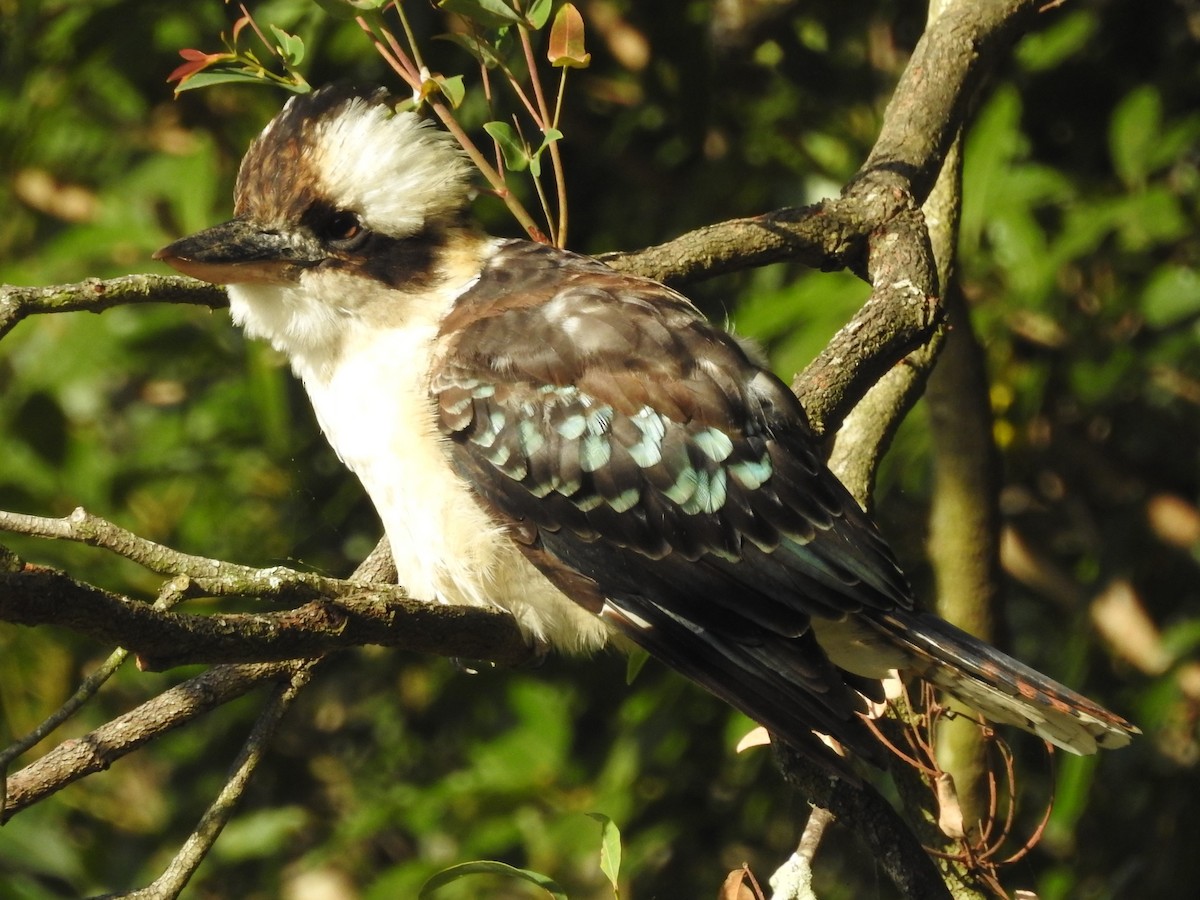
[(100, 748), (170, 594), (180, 870), (544, 120)]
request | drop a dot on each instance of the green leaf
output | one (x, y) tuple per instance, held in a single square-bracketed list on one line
[(566, 39), (1133, 133), (490, 867), (205, 79), (338, 8), (291, 47), (452, 88), (1151, 216), (1076, 775), (1172, 295), (634, 662), (610, 849), (261, 834), (516, 157), (539, 13), (1048, 47), (350, 9), (535, 161), (483, 51), (487, 13)]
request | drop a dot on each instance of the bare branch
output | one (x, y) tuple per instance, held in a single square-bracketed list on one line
[(957, 52), (902, 314), (176, 876), (210, 576), (793, 880), (86, 690), (97, 295), (163, 639), (99, 749), (892, 844)]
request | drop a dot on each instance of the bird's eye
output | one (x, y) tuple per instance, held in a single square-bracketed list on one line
[(343, 228)]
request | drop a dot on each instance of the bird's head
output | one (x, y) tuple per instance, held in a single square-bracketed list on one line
[(344, 207)]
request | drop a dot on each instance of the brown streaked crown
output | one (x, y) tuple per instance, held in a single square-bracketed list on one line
[(279, 177)]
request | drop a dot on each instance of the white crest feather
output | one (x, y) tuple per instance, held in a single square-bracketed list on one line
[(395, 169)]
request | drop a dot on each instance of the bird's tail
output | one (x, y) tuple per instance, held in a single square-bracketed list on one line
[(1000, 687)]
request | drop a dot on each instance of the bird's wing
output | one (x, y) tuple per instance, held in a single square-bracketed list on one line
[(633, 443)]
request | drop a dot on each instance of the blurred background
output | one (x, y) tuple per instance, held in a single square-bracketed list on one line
[(1079, 255)]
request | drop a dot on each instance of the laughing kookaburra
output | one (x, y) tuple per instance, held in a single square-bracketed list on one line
[(578, 446)]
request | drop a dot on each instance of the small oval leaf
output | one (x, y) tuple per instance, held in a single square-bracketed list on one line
[(452, 88), (566, 39), (516, 157), (539, 13), (291, 47)]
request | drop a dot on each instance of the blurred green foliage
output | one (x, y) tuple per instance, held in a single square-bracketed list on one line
[(1079, 255)]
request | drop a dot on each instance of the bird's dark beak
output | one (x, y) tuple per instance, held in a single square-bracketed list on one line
[(236, 252)]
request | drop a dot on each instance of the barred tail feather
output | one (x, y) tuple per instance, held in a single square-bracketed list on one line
[(1000, 687)]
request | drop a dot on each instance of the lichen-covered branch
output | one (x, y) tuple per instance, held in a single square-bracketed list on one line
[(206, 576), (97, 295), (892, 843), (366, 614)]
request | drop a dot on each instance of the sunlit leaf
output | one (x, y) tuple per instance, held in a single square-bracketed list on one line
[(1171, 295), (349, 9), (1047, 47), (207, 79), (610, 849), (516, 157), (452, 88), (535, 161), (566, 39), (488, 13), (196, 61), (539, 13), (291, 47), (1133, 132), (490, 867)]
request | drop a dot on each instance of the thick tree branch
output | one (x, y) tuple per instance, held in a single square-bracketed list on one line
[(964, 527), (163, 639), (892, 844), (957, 53)]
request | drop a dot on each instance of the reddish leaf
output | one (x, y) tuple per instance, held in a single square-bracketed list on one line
[(197, 60), (566, 39), (735, 887), (239, 25)]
